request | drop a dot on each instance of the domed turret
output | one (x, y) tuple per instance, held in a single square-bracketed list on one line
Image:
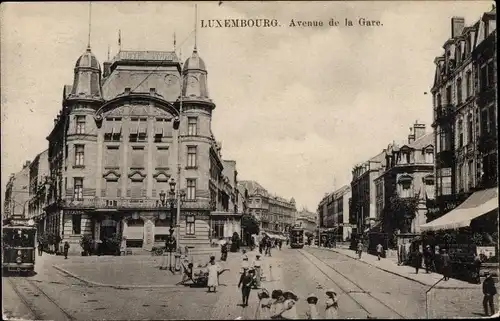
[(195, 78), (87, 81)]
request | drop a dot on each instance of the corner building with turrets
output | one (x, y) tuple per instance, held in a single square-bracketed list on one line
[(113, 151)]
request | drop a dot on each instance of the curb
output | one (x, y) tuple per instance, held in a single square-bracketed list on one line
[(406, 277), (121, 287)]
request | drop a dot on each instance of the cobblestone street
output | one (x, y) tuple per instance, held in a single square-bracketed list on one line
[(363, 289)]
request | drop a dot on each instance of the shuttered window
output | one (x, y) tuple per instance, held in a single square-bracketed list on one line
[(138, 157), (136, 189), (112, 188), (162, 157), (112, 156)]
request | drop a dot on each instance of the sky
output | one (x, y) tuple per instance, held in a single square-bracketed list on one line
[(297, 107)]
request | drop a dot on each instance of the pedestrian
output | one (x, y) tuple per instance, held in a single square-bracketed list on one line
[(264, 310), (446, 261), (40, 248), (477, 268), (223, 250), (247, 280), (312, 313), (244, 262), (277, 304), (66, 249), (416, 259), (380, 248), (213, 275), (269, 246), (489, 291), (290, 306), (360, 249), (257, 265), (332, 306), (428, 259)]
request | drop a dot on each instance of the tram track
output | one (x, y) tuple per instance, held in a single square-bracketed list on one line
[(356, 291), (33, 297)]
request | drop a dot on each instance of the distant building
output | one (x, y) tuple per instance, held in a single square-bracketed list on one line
[(275, 214), (39, 183), (16, 197), (334, 213), (362, 210), (307, 220)]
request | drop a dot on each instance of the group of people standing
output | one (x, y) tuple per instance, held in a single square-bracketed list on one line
[(266, 244), (282, 305)]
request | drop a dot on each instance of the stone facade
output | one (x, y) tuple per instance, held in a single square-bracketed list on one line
[(465, 112), (16, 195), (362, 211), (275, 214), (408, 173), (116, 149), (39, 178), (334, 209)]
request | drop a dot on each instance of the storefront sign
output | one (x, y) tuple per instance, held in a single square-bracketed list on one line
[(74, 212), (488, 251)]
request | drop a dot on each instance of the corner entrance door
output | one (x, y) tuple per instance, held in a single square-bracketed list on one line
[(107, 230)]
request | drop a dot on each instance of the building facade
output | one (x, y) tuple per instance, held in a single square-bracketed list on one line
[(275, 214), (408, 176), (334, 213), (16, 195), (465, 111), (120, 141), (362, 210), (307, 220), (38, 187)]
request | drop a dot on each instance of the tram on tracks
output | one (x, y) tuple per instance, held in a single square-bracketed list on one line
[(18, 248), (297, 237)]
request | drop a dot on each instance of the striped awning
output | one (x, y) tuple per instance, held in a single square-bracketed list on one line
[(117, 128), (159, 129), (108, 127), (143, 127)]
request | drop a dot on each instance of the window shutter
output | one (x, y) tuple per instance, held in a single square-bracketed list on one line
[(138, 157), (112, 157)]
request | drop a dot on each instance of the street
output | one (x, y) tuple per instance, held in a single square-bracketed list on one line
[(362, 290)]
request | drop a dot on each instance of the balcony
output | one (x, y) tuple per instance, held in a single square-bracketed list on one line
[(487, 143), (96, 203), (486, 96), (444, 114)]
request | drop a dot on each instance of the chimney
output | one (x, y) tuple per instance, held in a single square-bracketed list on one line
[(411, 138), (457, 26), (152, 91), (106, 66), (418, 130), (127, 91), (26, 164)]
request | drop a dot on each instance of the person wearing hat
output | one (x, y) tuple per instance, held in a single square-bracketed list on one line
[(246, 283), (489, 291), (264, 310), (332, 306), (428, 259), (244, 262), (257, 264), (312, 313), (290, 306), (277, 304), (213, 275)]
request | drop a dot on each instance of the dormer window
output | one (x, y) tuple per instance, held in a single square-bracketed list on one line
[(429, 155), (404, 156)]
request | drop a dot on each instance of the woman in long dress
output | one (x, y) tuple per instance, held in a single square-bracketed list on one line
[(332, 306), (290, 306), (276, 305), (213, 275), (312, 312), (264, 310)]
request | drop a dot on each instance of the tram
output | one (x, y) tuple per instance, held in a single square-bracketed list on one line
[(297, 237), (18, 248)]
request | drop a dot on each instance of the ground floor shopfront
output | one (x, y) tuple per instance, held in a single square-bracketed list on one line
[(140, 229)]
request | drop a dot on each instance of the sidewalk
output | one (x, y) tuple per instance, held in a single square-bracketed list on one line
[(123, 272), (407, 272)]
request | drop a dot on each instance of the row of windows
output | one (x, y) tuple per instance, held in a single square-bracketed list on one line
[(76, 222), (138, 130), (78, 188), (112, 156)]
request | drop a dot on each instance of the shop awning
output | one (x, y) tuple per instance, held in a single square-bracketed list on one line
[(479, 203)]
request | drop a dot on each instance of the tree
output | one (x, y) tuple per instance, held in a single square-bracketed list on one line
[(249, 224), (399, 213)]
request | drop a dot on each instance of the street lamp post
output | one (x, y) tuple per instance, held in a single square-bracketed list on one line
[(171, 241)]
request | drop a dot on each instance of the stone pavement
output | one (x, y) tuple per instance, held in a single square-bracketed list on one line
[(228, 305), (407, 272)]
